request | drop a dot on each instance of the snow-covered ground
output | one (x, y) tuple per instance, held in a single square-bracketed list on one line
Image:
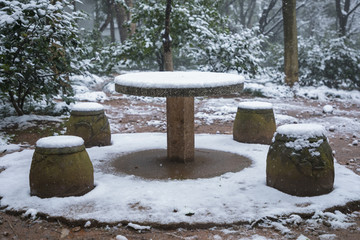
[(229, 198), (232, 197)]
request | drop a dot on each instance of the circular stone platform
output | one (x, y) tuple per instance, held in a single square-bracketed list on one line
[(153, 164), (229, 198)]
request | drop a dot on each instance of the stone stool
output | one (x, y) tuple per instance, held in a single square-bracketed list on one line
[(89, 121), (300, 160), (254, 123), (60, 167)]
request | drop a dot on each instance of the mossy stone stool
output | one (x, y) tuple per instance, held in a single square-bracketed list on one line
[(89, 121), (300, 161), (60, 167), (254, 123)]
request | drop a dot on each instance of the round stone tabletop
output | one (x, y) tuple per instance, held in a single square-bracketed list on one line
[(178, 84)]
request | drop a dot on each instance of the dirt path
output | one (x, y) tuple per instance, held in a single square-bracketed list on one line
[(146, 115)]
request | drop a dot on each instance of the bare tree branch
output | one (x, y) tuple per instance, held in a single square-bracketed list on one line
[(354, 8), (281, 20)]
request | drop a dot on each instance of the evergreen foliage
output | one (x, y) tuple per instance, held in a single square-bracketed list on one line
[(333, 62), (38, 42), (200, 39), (99, 55)]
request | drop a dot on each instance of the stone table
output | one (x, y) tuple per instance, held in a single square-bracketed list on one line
[(179, 88)]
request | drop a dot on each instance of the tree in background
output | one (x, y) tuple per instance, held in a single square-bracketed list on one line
[(330, 62), (37, 45), (168, 59), (291, 64), (200, 39), (108, 11), (190, 21), (345, 10), (242, 12)]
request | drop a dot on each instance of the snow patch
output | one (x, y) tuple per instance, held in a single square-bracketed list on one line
[(98, 96), (328, 109), (59, 141), (256, 237), (31, 213), (302, 237), (138, 227), (300, 143), (87, 107), (304, 131), (327, 237), (255, 105), (120, 237), (5, 147)]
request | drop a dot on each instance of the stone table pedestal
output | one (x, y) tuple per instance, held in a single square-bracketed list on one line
[(179, 88)]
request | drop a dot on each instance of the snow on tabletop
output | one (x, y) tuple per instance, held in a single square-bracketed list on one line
[(87, 107), (255, 105), (302, 130), (178, 79), (59, 141)]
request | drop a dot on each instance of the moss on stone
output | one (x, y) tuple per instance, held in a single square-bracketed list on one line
[(305, 171), (57, 151), (94, 129), (254, 126), (61, 175)]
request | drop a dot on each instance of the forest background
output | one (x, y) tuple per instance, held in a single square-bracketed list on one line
[(45, 42)]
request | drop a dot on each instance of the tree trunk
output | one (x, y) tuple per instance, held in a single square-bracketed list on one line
[(74, 5), (121, 18), (112, 27), (18, 110), (132, 25), (250, 12), (264, 19), (342, 18), (168, 61), (291, 65), (97, 14), (343, 13)]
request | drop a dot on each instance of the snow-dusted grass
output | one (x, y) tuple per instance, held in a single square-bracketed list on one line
[(232, 197)]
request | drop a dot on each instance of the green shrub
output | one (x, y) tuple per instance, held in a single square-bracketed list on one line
[(38, 42), (331, 62)]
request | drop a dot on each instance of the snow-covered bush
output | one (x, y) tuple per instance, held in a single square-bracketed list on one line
[(200, 39), (38, 40), (332, 62), (323, 61), (144, 48), (239, 52), (99, 54)]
